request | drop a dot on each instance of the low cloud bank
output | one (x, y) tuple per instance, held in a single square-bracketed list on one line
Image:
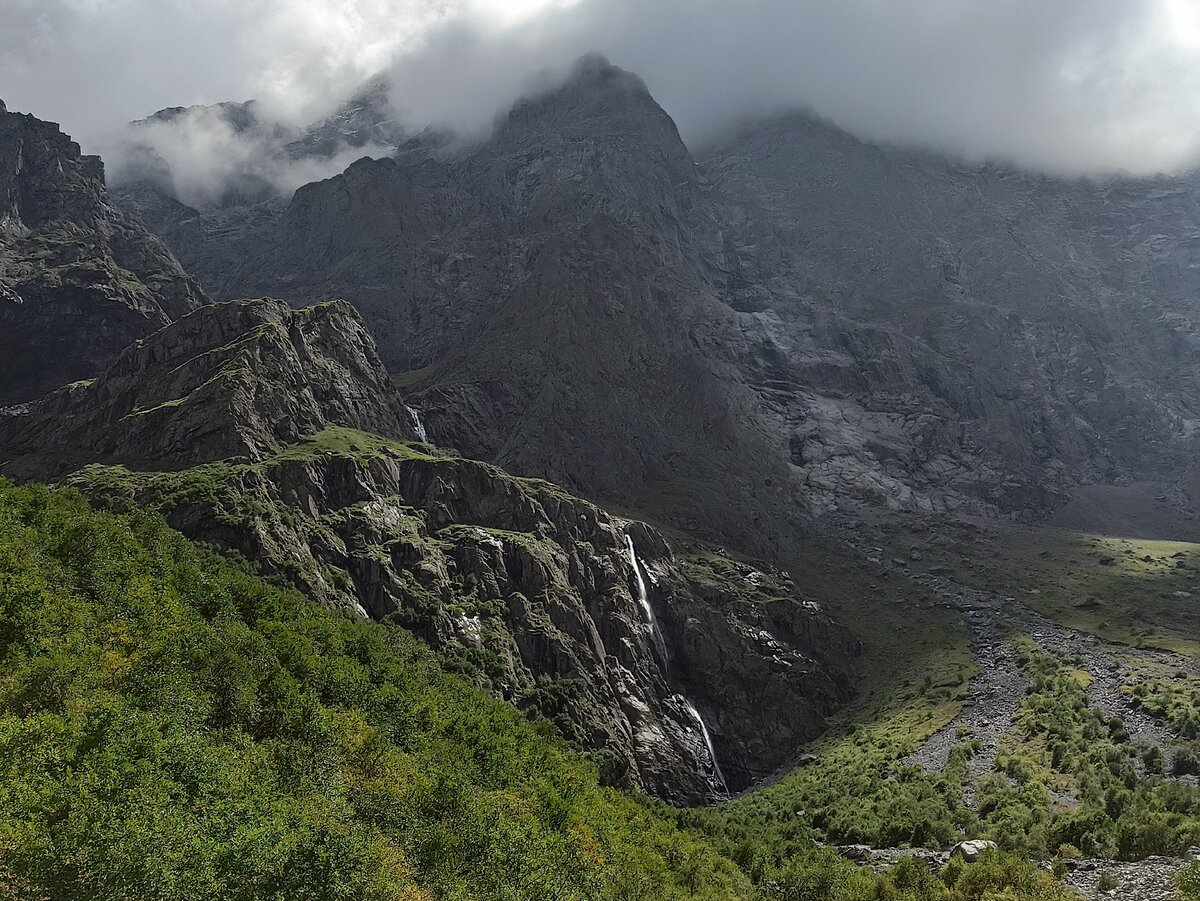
[(1070, 87)]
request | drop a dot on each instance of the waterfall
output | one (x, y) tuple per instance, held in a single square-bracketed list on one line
[(712, 753), (661, 646), (422, 435), (644, 599)]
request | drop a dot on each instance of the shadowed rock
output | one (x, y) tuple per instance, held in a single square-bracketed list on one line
[(79, 278)]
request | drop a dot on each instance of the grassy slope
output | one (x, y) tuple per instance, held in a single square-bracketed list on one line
[(172, 727), (917, 664), (1120, 589)]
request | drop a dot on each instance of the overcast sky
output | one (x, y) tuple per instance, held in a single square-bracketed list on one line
[(1059, 85)]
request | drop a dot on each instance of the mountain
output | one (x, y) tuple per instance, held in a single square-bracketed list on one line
[(784, 322), (79, 278), (689, 675), (250, 155), (559, 273), (240, 380)]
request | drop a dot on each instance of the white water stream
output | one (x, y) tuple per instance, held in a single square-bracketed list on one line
[(417, 424), (661, 646), (644, 599), (712, 752)]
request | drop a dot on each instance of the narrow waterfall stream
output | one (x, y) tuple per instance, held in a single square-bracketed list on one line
[(661, 646), (417, 424), (712, 752), (644, 599)]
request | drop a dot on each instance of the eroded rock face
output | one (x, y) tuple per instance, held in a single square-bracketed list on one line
[(932, 336), (242, 379), (79, 278), (240, 421), (788, 320)]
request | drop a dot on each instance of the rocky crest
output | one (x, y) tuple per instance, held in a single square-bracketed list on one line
[(236, 380), (79, 278), (689, 677)]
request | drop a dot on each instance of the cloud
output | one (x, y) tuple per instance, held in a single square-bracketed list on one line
[(206, 157), (1070, 86)]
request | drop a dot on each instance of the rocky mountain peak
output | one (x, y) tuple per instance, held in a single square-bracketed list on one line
[(44, 176), (599, 103)]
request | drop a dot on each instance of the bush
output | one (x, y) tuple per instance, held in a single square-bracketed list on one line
[(1187, 882)]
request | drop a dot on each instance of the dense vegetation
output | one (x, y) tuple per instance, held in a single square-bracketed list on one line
[(173, 727), (1123, 804), (1125, 807)]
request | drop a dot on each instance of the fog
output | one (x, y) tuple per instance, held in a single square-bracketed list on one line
[(1067, 87)]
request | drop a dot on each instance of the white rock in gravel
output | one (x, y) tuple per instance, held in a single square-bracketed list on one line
[(971, 849)]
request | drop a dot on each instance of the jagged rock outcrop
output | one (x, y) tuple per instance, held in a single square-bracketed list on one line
[(532, 593), (240, 422), (236, 380), (788, 320), (79, 278)]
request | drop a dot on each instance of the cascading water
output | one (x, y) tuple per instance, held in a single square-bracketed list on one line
[(644, 599), (712, 752), (661, 646), (417, 424)]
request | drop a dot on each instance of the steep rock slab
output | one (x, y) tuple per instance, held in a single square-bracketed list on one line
[(935, 336), (79, 278)]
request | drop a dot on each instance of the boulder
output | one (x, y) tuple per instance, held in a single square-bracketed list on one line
[(972, 849)]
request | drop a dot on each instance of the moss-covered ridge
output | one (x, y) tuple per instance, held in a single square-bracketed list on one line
[(239, 380)]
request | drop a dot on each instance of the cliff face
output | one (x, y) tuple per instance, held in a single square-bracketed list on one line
[(240, 380), (781, 323), (933, 336), (79, 278), (241, 423)]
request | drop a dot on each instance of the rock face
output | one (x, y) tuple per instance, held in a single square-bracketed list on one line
[(236, 380), (688, 677), (785, 321), (562, 272), (933, 336), (79, 278)]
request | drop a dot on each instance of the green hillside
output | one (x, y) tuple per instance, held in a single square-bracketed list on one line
[(172, 727)]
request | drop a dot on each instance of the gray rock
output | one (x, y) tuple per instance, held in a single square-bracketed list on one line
[(79, 278), (972, 849), (692, 690), (790, 318)]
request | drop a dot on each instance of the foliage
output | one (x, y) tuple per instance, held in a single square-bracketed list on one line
[(1187, 881), (173, 727)]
